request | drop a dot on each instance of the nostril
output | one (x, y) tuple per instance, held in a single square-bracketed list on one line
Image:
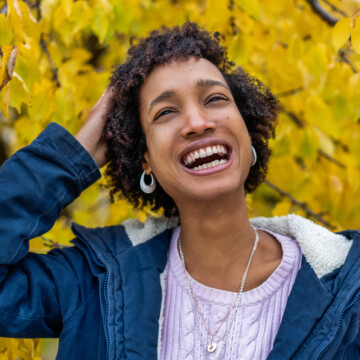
[(191, 133)]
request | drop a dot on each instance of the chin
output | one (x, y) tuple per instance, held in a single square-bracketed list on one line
[(219, 191)]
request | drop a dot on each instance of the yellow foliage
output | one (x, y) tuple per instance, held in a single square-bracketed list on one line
[(341, 32), (56, 57), (23, 349), (355, 36)]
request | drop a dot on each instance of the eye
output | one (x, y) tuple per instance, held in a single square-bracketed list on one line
[(163, 113), (216, 98)]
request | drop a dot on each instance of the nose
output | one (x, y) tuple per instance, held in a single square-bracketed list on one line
[(197, 122)]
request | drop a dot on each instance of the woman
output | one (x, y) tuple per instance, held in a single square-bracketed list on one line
[(184, 132)]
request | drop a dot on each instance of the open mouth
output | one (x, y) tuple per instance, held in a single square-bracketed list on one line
[(206, 157)]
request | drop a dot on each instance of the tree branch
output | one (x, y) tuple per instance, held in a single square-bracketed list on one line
[(290, 92), (51, 243), (318, 9), (4, 9), (52, 66), (302, 205), (331, 159), (300, 123), (344, 58), (335, 8), (341, 145)]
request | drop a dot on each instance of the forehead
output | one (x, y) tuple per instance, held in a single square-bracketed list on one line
[(178, 75)]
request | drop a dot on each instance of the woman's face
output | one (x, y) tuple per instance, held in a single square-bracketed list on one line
[(198, 144)]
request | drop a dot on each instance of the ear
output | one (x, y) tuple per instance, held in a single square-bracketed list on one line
[(146, 163)]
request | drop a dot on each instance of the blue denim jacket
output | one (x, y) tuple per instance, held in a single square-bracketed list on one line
[(103, 297)]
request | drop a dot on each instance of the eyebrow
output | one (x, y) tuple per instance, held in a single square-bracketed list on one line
[(207, 83), (202, 83), (163, 96)]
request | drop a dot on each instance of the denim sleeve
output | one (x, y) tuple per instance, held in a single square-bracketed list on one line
[(39, 292)]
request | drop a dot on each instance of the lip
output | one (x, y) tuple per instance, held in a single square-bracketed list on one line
[(204, 143)]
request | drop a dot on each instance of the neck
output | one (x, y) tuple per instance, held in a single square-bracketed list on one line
[(217, 239)]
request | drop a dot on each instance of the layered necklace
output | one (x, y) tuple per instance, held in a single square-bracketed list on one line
[(212, 346)]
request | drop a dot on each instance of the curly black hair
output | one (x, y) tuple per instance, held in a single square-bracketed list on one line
[(123, 133)]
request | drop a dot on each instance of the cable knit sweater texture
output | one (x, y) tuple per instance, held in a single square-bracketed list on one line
[(257, 320)]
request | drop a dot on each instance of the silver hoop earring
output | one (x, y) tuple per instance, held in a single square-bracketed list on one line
[(147, 189), (253, 156)]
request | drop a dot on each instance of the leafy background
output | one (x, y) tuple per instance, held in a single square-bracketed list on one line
[(56, 57)]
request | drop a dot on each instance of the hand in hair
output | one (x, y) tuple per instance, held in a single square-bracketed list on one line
[(90, 134)]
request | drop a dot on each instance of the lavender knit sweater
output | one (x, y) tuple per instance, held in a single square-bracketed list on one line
[(257, 319)]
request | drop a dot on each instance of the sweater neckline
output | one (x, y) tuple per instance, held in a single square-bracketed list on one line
[(291, 259)]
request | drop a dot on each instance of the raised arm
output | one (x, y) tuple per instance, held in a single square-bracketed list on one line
[(36, 183)]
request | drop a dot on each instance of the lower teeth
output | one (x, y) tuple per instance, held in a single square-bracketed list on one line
[(211, 164)]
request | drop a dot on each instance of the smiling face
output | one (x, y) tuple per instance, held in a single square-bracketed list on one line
[(198, 145)]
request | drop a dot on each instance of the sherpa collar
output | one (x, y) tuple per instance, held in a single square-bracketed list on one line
[(323, 250)]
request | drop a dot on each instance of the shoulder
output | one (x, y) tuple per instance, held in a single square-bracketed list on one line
[(324, 250), (118, 238)]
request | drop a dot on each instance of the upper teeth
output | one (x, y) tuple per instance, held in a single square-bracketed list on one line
[(204, 152)]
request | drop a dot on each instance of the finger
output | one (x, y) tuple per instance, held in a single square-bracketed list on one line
[(103, 104), (104, 100)]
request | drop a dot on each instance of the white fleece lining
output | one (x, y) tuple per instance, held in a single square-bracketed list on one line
[(162, 309), (323, 250), (139, 232)]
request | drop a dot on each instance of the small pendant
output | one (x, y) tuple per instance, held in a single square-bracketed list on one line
[(212, 347)]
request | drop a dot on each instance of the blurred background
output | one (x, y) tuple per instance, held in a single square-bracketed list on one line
[(56, 57)]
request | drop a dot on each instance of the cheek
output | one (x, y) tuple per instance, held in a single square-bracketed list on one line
[(161, 140), (160, 150)]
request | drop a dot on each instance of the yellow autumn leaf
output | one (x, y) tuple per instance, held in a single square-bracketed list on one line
[(41, 101), (101, 19), (252, 7), (29, 24), (6, 31), (325, 142), (67, 7), (282, 208), (318, 113), (295, 50), (355, 36), (27, 64), (217, 12), (239, 49), (14, 15), (309, 144), (317, 59), (18, 93), (4, 347), (341, 32), (4, 100), (8, 61)]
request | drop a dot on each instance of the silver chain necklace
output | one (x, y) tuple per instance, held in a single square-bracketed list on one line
[(210, 348)]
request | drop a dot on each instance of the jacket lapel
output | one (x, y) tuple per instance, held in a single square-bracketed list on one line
[(140, 268), (298, 321)]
